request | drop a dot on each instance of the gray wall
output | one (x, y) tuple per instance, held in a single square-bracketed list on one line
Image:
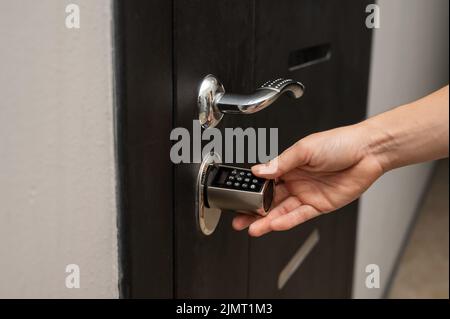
[(57, 172), (409, 60)]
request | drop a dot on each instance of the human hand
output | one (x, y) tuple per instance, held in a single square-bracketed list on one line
[(319, 174)]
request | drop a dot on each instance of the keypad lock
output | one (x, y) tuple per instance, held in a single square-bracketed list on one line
[(227, 188), (237, 189)]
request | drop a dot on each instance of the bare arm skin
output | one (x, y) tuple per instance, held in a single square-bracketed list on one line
[(412, 133), (325, 171)]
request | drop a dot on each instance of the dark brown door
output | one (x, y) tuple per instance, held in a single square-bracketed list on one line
[(210, 37), (286, 33), (323, 44), (246, 43)]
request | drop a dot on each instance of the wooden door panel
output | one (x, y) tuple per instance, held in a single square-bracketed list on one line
[(210, 37), (335, 95), (165, 48), (144, 119)]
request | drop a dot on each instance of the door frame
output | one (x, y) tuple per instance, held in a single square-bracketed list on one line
[(144, 108)]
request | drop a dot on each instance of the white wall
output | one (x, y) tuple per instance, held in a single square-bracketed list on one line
[(409, 60), (57, 170)]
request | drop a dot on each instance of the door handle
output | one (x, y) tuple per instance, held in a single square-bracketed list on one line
[(213, 102)]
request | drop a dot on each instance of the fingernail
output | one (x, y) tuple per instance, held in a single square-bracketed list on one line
[(257, 168), (266, 168), (238, 227)]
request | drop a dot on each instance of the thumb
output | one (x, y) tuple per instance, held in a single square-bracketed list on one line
[(295, 156)]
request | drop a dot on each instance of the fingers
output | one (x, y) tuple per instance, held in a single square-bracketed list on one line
[(295, 156), (285, 216), (280, 194), (242, 221), (263, 225), (295, 217)]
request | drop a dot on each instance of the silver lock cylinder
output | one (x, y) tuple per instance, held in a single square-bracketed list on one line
[(237, 189), (228, 188)]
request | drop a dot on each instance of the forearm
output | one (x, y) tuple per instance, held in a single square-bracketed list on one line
[(412, 133)]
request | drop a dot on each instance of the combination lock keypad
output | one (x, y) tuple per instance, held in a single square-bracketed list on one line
[(237, 189), (239, 179)]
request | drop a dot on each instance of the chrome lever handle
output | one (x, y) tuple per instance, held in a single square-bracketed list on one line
[(213, 102), (265, 95)]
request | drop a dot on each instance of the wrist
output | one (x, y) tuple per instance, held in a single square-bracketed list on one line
[(380, 143)]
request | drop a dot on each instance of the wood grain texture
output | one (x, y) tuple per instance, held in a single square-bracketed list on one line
[(335, 95), (144, 42), (243, 43), (210, 37)]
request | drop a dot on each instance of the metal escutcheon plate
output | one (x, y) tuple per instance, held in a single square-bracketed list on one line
[(208, 113), (207, 218)]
